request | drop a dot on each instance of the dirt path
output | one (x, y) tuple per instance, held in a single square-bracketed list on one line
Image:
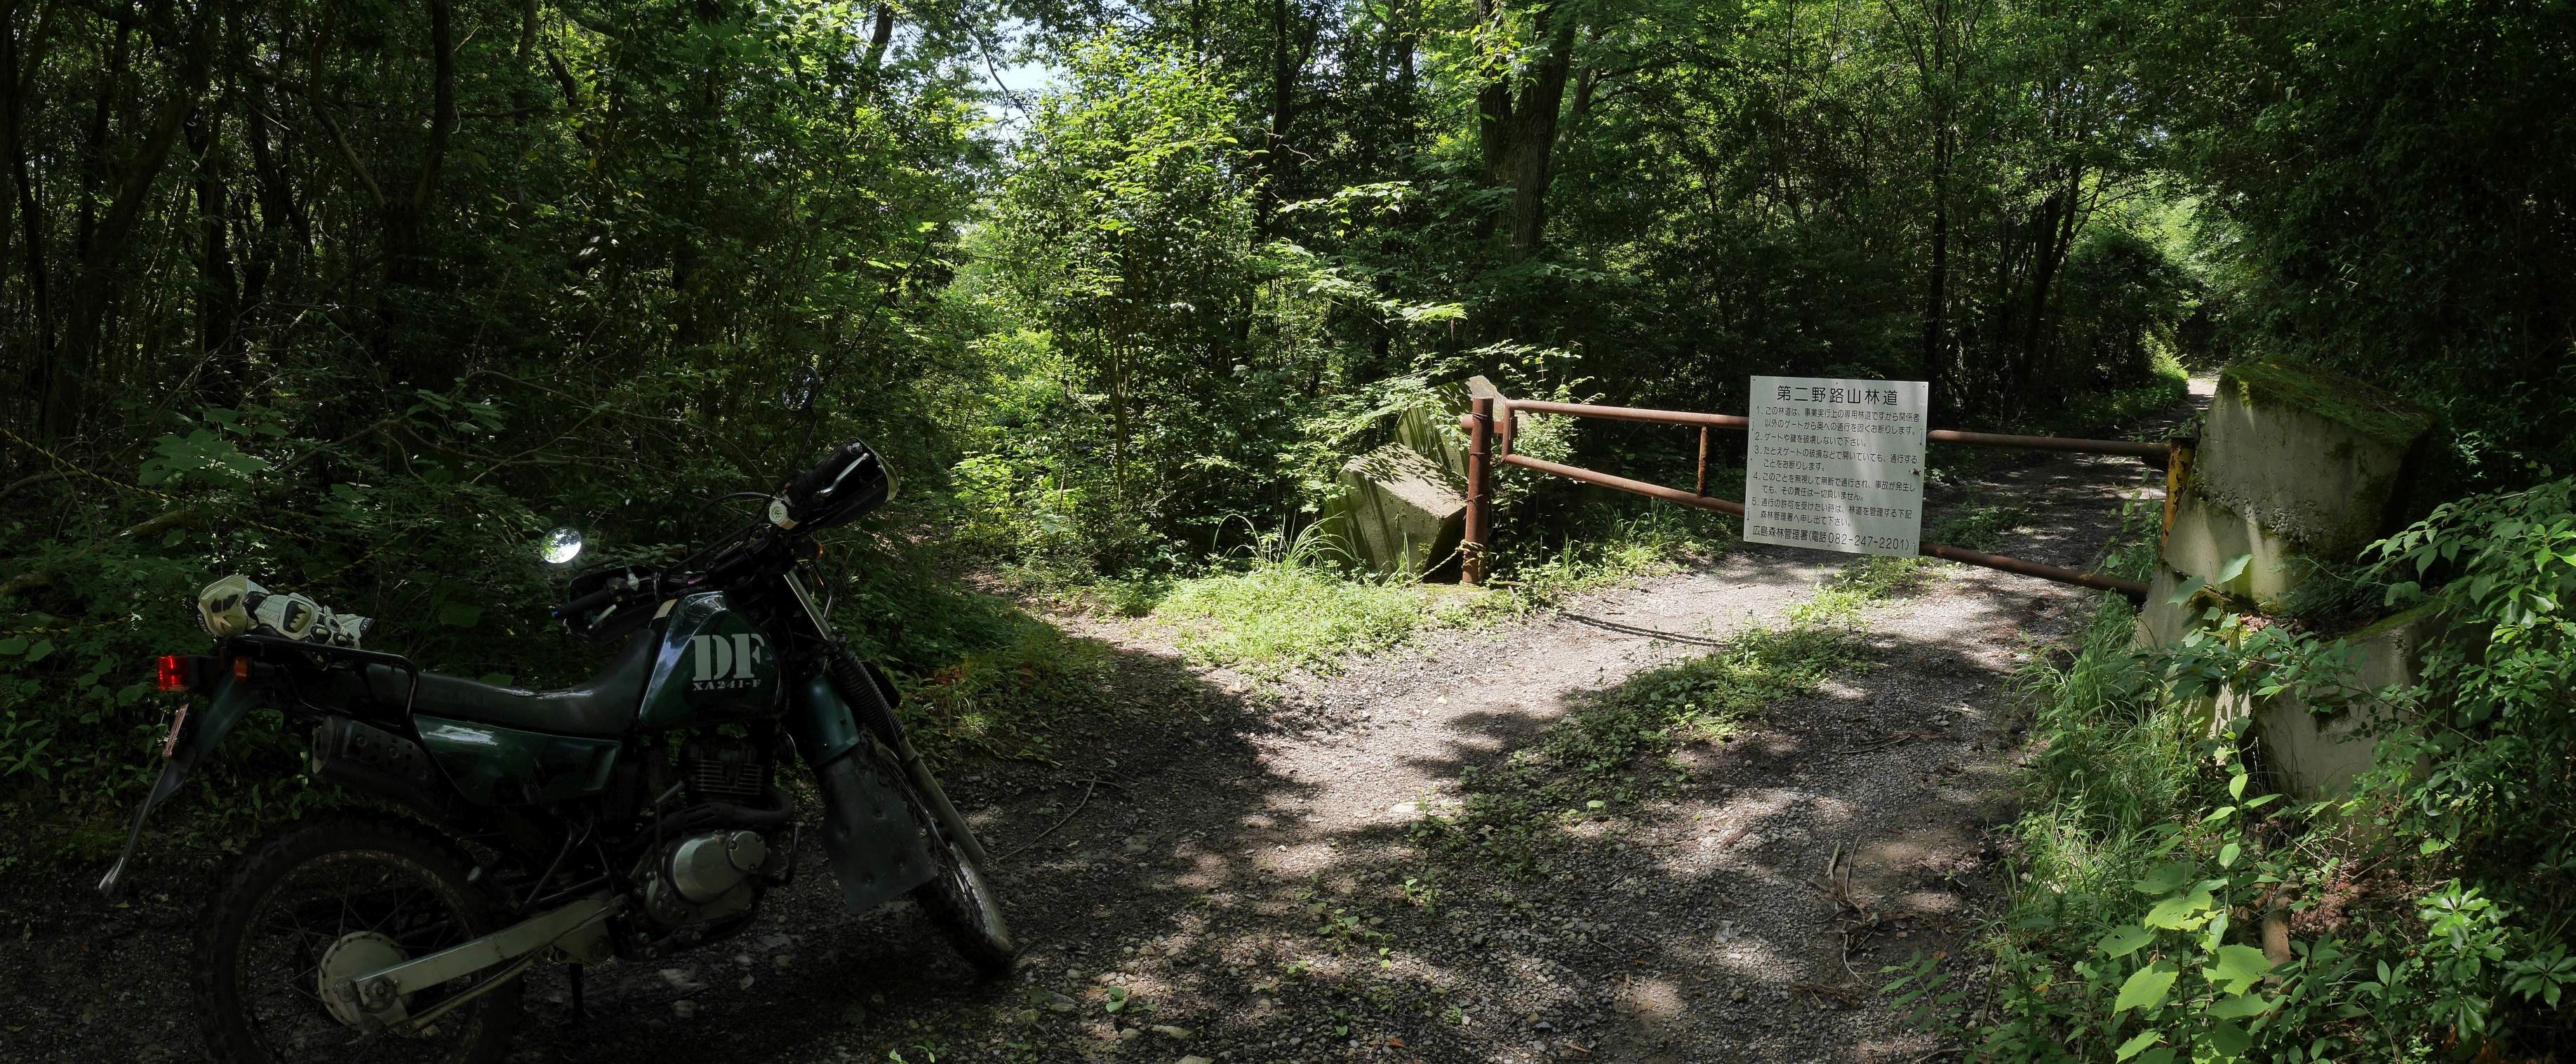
[(1244, 877)]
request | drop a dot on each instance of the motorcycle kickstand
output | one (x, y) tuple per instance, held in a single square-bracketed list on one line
[(580, 1011)]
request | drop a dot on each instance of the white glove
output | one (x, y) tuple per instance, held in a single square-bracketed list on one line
[(236, 605)]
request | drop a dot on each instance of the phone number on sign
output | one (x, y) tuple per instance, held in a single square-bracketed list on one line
[(1824, 538)]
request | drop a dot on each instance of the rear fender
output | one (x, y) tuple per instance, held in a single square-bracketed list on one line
[(876, 840), (200, 731)]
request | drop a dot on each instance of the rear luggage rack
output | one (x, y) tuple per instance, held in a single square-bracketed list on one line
[(258, 643)]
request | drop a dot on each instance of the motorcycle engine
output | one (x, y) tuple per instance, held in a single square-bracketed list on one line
[(706, 875)]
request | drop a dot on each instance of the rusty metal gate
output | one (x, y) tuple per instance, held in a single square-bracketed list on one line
[(1492, 419)]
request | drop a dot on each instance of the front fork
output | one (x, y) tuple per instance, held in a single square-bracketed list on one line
[(878, 843), (876, 709), (828, 715)]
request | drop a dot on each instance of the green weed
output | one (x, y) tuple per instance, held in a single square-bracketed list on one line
[(2153, 852), (1622, 747), (1300, 602)]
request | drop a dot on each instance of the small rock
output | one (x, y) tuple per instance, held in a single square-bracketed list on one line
[(1194, 1060), (782, 960), (684, 1008), (1129, 1035), (1169, 1031)]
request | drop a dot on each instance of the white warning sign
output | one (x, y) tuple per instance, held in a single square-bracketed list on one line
[(1836, 465)]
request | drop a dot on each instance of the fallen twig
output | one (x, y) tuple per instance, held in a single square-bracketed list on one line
[(1041, 836)]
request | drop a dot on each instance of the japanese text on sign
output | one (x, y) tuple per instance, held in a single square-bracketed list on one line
[(1836, 465)]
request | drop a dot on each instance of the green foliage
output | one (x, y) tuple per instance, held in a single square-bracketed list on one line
[(2153, 858), (2389, 178), (1299, 602), (2498, 694), (358, 299), (409, 284), (1125, 237), (1293, 607)]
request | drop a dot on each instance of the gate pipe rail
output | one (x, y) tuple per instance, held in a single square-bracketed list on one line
[(2156, 453), (1483, 431)]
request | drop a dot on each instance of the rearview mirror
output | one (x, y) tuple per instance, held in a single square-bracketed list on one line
[(562, 545)]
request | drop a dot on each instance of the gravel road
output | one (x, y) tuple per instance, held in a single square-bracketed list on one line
[(1231, 864)]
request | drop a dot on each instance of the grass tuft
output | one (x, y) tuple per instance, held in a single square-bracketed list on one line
[(1302, 603), (1624, 746), (1270, 619)]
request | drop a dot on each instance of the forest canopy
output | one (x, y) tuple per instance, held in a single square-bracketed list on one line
[(361, 296)]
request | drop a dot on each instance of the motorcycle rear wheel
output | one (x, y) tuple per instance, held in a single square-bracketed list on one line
[(343, 895)]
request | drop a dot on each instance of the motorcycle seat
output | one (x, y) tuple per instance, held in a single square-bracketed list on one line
[(603, 705)]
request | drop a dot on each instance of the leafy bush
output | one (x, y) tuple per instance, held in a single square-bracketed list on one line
[(2169, 908)]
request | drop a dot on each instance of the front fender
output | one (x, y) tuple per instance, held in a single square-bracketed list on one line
[(875, 840), (199, 733)]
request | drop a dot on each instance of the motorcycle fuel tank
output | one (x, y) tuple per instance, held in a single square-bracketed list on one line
[(712, 667)]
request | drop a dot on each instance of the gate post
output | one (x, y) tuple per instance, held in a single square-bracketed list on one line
[(2178, 455), (1480, 501)]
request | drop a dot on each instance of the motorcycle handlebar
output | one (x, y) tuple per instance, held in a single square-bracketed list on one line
[(586, 603)]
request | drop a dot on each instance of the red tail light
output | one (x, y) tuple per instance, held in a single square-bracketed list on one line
[(172, 673)]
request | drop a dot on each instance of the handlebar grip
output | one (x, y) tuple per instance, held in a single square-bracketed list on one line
[(586, 603)]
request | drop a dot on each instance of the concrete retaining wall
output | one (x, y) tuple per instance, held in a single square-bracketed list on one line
[(2298, 467)]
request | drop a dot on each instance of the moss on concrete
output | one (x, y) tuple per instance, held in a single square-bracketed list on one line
[(2278, 381), (2310, 456), (2384, 626), (2207, 533)]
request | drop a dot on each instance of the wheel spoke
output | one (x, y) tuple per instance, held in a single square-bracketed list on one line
[(319, 906)]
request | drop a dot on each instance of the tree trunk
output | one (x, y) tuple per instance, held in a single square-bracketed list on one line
[(1292, 45), (102, 259), (1517, 131), (218, 294), (1493, 101), (21, 71), (405, 218), (878, 36), (1534, 141), (2056, 234), (1405, 76), (277, 211), (1936, 301)]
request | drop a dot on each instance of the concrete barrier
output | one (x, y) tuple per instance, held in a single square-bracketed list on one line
[(2306, 455), (2297, 468), (1398, 511), (2317, 754)]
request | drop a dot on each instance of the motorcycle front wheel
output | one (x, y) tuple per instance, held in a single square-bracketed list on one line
[(326, 901), (966, 910)]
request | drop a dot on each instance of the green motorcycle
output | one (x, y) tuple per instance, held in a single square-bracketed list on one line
[(632, 816)]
